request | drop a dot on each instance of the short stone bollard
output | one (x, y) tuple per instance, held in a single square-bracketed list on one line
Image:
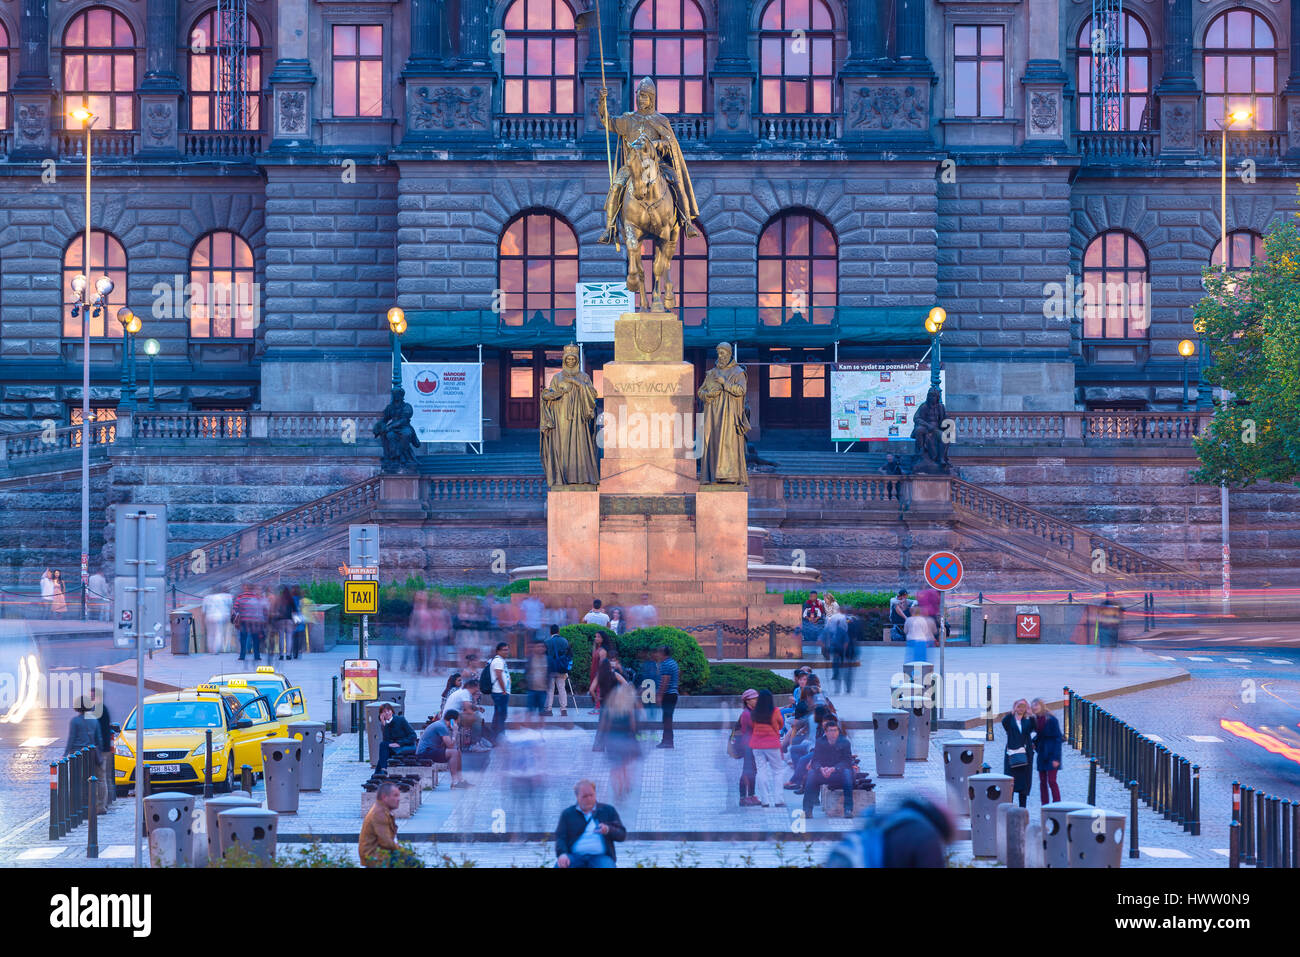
[(919, 715), (1056, 849), (1034, 844), (163, 851), (374, 730), (311, 771), (1096, 837), (986, 792), (251, 829), (172, 811), (1003, 809), (864, 802), (889, 727), (421, 768), (1017, 824), (281, 759), (961, 759), (214, 806)]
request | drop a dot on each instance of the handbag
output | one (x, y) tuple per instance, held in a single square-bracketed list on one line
[(734, 748), (1018, 758)]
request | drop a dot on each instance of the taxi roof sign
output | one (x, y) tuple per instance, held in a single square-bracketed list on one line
[(236, 683), (265, 670), (208, 689)]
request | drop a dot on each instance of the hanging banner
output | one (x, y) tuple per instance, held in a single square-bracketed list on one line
[(599, 304), (875, 401), (447, 398)]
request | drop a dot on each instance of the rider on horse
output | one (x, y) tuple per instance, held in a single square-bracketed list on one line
[(656, 128)]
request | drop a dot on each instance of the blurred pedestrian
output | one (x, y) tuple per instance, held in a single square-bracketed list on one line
[(899, 606), (59, 603), (46, 608), (525, 774), (249, 616), (740, 743), (532, 614), (619, 718), (1109, 615), (587, 831), (98, 596), (762, 727), (441, 621), (605, 682), (916, 834), (837, 636), (666, 696), (83, 730), (616, 623), (536, 676), (559, 662), (1018, 757), (419, 631), (284, 624), (919, 631), (849, 659), (499, 670), (217, 606), (1047, 749), (299, 622), (598, 654), (644, 615)]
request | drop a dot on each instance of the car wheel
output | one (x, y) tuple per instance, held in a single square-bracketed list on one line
[(226, 786), (122, 790)]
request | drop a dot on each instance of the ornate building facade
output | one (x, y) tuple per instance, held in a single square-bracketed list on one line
[(270, 178)]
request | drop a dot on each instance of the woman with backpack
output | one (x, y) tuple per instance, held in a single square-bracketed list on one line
[(1047, 746), (1017, 761), (739, 748), (762, 726)]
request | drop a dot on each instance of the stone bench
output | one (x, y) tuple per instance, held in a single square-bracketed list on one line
[(864, 802), (410, 802)]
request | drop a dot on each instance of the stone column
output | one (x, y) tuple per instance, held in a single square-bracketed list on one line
[(733, 75), (1044, 80), (909, 32), (1177, 93), (615, 76), (33, 92), (888, 101), (160, 92), (449, 93), (426, 34), (292, 79), (474, 28), (1291, 98), (864, 35)]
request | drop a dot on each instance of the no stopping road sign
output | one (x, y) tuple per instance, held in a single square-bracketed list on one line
[(943, 571)]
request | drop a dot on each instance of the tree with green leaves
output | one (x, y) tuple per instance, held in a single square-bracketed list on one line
[(1249, 322)]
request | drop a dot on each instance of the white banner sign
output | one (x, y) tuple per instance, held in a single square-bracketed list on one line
[(599, 304), (875, 401), (447, 398)]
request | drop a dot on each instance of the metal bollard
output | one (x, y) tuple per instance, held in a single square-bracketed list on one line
[(1069, 700), (54, 801), (1261, 829), (988, 712), (207, 764), (334, 706), (92, 827), (1247, 825), (1234, 844), (63, 797), (1178, 789), (1295, 834), (1092, 781), (1133, 819), (1196, 800), (246, 779), (1286, 860), (144, 780), (1166, 783)]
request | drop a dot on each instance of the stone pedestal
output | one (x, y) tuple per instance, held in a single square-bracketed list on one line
[(572, 524)]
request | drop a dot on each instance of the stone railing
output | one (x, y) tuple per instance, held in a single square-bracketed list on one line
[(315, 425), (842, 491), (451, 491), (1120, 146), (26, 446), (995, 427), (537, 129), (1073, 428), (189, 425), (104, 144), (1245, 144), (691, 128), (1173, 428), (221, 144), (1011, 516), (803, 128)]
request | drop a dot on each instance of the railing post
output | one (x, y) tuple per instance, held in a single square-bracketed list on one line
[(63, 796), (771, 639), (1247, 825), (988, 712), (54, 801), (1092, 781), (207, 765), (92, 829), (1285, 859), (1133, 819), (717, 638)]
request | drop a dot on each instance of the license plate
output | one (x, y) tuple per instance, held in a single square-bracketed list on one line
[(164, 769)]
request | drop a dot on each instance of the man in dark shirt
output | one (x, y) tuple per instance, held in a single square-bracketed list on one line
[(915, 835), (831, 765), (667, 692), (587, 831), (398, 737)]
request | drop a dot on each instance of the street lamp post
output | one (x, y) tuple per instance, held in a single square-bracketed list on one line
[(1225, 126), (151, 349), (396, 326), (131, 324), (934, 325), (87, 120), (1186, 349)]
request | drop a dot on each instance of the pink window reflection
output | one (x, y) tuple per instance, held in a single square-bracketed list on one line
[(797, 269), (804, 61), (225, 302), (107, 258), (540, 63), (213, 105), (538, 269), (358, 70), (1240, 70), (668, 44), (1115, 278), (978, 71), (99, 69)]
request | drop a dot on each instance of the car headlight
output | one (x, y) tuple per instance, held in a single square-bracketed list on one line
[(121, 749), (218, 745)]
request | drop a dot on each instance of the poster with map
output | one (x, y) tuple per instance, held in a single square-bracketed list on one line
[(875, 401)]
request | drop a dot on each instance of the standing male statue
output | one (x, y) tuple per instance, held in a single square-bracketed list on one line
[(662, 201), (726, 422), (568, 411), (396, 434), (927, 432)]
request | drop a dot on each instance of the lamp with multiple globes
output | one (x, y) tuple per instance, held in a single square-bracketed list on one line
[(934, 325)]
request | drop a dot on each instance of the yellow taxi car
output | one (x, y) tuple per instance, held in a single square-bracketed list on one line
[(290, 705), (175, 726), (264, 678)]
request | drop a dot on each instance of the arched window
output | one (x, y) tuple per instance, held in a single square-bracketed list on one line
[(215, 100), (1135, 82), (1240, 70), (107, 258), (668, 46), (1245, 248), (1115, 287), (689, 273), (540, 63), (4, 78), (797, 269), (223, 298), (99, 69), (797, 69), (538, 268)]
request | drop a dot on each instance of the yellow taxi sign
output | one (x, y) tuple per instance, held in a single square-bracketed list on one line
[(208, 689), (236, 683), (361, 598), (265, 670)]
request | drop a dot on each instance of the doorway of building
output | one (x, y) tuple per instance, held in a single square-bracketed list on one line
[(794, 392), (528, 371)]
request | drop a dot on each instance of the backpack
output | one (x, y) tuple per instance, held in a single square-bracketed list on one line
[(557, 662), (865, 847), (485, 678)]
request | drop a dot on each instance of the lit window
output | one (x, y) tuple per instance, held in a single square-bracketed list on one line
[(107, 258), (99, 434), (540, 63), (1115, 288), (1245, 248), (99, 69), (689, 274), (538, 263), (216, 102), (979, 65), (797, 68), (1240, 70), (668, 46), (1135, 81), (358, 64), (223, 304), (4, 78), (798, 261)]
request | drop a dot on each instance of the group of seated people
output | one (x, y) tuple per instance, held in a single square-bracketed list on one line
[(818, 749)]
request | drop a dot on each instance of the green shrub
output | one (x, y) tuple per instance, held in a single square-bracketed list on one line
[(394, 609), (847, 598), (324, 593), (731, 679), (637, 646), (580, 639), (517, 588)]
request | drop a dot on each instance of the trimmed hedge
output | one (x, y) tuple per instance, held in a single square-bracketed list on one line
[(580, 641), (635, 647), (847, 599), (730, 679)]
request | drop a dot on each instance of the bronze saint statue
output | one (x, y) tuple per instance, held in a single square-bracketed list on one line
[(927, 431), (662, 201), (397, 436), (726, 422), (568, 412)]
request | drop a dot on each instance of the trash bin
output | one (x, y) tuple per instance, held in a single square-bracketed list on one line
[(214, 806), (250, 828), (182, 627), (396, 694), (986, 792), (173, 811), (1056, 849), (374, 730), (1017, 836), (1096, 837), (961, 759), (918, 673), (918, 726), (311, 734), (281, 762), (889, 727), (904, 689)]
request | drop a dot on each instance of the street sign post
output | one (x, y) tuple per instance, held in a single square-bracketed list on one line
[(943, 572), (363, 545), (360, 684)]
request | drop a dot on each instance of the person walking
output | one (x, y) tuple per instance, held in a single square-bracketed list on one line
[(1047, 749), (419, 631), (559, 662), (598, 654), (644, 615), (249, 616), (606, 681), (500, 673), (299, 622), (587, 831), (47, 594), (83, 730), (284, 621), (217, 606), (531, 614), (919, 630), (619, 718), (837, 636), (748, 772), (536, 677), (762, 727), (1109, 614), (59, 603), (1018, 758), (899, 606), (666, 696)]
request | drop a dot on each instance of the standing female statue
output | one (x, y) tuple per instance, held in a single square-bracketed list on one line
[(568, 411)]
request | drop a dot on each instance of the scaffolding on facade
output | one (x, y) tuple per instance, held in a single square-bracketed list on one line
[(231, 42), (1107, 65)]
